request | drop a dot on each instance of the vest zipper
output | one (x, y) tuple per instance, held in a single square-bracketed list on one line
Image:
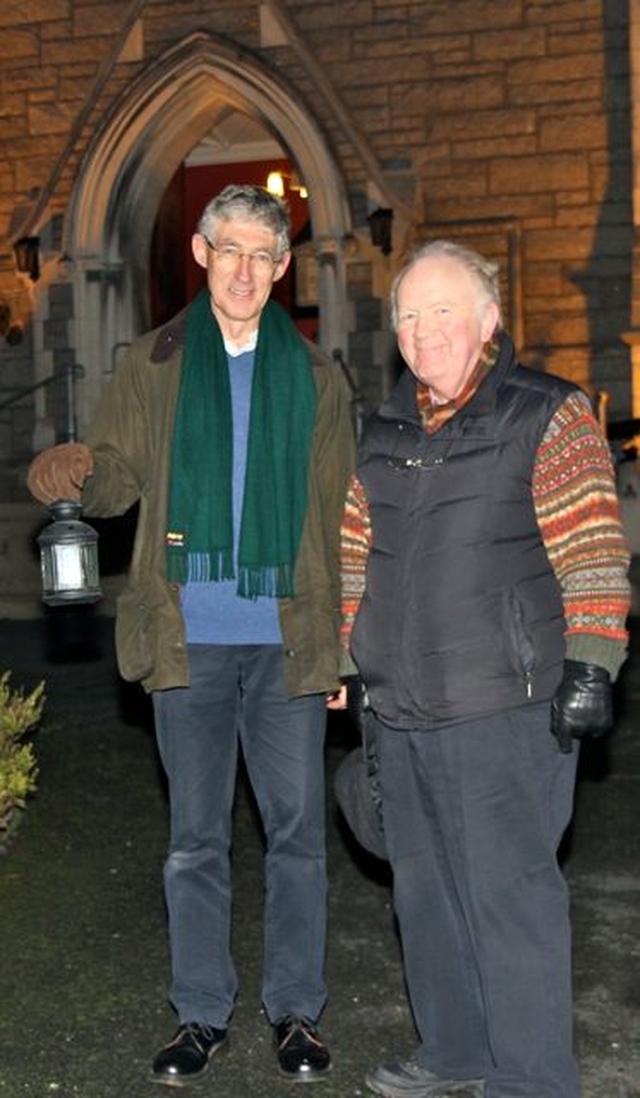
[(525, 648)]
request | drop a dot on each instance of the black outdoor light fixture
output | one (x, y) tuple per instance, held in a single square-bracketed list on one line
[(69, 557), (27, 255), (380, 225)]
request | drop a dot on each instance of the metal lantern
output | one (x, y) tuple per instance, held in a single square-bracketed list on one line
[(69, 557)]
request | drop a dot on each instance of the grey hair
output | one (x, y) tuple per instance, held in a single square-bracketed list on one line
[(244, 201), (484, 271)]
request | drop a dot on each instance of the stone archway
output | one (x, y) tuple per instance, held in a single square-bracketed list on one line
[(114, 206)]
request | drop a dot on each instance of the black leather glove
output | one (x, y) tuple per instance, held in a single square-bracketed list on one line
[(583, 703)]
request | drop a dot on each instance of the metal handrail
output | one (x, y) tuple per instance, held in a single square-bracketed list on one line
[(69, 374), (356, 396)]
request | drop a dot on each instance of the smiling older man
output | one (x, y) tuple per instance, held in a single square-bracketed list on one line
[(485, 595)]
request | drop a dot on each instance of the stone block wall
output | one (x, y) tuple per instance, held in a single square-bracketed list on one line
[(478, 113)]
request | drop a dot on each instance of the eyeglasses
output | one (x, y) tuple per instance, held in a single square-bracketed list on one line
[(230, 254)]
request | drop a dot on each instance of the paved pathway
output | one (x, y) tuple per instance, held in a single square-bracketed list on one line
[(82, 927)]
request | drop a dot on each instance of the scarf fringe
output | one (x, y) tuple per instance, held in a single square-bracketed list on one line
[(183, 567), (272, 582)]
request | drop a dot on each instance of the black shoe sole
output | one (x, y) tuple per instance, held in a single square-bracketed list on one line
[(304, 1076)]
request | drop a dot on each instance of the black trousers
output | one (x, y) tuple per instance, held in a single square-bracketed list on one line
[(473, 817)]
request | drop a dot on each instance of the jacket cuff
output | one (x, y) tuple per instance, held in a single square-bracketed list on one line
[(347, 666)]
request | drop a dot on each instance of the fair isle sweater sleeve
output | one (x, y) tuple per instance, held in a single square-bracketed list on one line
[(577, 509), (355, 542)]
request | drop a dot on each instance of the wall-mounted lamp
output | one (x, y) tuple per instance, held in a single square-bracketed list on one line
[(380, 226), (9, 328), (276, 184), (27, 256)]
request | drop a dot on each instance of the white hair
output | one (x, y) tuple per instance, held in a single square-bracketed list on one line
[(484, 271)]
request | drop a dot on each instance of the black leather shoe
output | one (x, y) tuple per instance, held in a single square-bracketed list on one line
[(302, 1056), (186, 1058)]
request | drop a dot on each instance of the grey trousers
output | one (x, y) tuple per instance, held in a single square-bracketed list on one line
[(473, 817), (237, 697)]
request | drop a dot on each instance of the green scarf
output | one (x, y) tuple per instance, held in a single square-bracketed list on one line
[(199, 539)]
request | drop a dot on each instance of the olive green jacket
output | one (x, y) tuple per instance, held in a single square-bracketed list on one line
[(130, 437)]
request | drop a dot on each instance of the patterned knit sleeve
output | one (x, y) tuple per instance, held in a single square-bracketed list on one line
[(576, 505), (355, 543)]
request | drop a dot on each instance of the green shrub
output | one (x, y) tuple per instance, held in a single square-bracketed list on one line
[(18, 770)]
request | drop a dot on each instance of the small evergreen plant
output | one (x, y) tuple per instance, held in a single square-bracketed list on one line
[(18, 770)]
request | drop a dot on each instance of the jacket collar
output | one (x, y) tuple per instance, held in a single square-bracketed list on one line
[(169, 338)]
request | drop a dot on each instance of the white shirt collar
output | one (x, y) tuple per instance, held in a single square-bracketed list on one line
[(233, 349)]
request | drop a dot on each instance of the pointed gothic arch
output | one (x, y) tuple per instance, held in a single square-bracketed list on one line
[(130, 164)]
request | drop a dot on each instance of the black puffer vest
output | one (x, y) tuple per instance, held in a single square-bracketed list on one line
[(462, 614)]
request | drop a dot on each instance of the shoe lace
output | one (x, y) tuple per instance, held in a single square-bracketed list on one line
[(299, 1025), (198, 1029)]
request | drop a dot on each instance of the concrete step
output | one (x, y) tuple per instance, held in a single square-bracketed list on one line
[(20, 524)]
